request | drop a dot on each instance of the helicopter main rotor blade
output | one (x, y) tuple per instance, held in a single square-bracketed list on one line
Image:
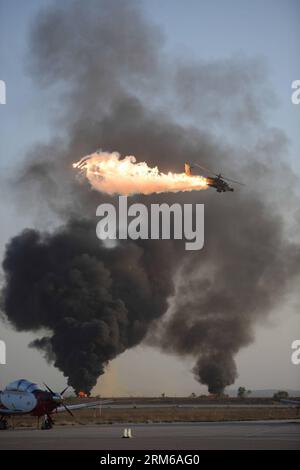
[(205, 169), (222, 176), (233, 181)]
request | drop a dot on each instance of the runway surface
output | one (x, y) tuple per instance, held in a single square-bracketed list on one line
[(191, 436)]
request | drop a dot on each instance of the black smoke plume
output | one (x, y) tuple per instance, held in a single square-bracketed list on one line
[(113, 87), (95, 302)]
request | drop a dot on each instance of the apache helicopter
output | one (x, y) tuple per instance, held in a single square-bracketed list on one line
[(218, 181)]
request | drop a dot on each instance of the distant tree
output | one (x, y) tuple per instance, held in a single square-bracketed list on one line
[(193, 395), (163, 395), (281, 394), (241, 392), (249, 392)]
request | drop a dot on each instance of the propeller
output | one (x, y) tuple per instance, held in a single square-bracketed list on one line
[(53, 393), (49, 389), (68, 410), (64, 390), (61, 394), (219, 175)]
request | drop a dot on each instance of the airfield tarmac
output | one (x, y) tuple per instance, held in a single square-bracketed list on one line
[(179, 436)]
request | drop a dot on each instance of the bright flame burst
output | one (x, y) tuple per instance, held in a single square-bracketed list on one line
[(110, 174)]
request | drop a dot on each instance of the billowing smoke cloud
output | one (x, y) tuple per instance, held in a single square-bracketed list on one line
[(243, 271), (95, 301), (116, 91)]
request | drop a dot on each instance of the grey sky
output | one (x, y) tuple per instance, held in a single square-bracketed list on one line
[(202, 30)]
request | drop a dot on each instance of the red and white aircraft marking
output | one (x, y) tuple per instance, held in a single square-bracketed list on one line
[(23, 397)]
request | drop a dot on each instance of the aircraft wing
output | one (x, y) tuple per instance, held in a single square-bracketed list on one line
[(290, 402), (80, 406)]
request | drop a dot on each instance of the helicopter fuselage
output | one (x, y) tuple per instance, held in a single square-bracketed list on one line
[(219, 184)]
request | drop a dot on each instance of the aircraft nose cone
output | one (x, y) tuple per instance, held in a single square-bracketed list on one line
[(57, 397)]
